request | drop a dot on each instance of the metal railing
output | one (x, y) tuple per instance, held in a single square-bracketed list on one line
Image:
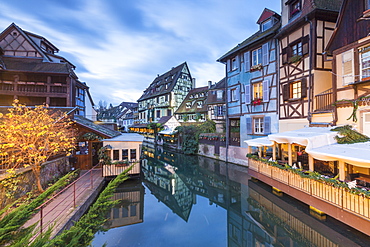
[(324, 101), (72, 191)]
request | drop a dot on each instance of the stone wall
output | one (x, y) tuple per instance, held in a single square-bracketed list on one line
[(237, 155), (51, 170)]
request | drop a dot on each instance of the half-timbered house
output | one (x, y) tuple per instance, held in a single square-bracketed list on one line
[(252, 82), (307, 26), (32, 72), (216, 104), (350, 50), (193, 109), (165, 94)]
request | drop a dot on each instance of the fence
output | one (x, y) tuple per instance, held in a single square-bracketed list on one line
[(339, 197), (52, 212), (115, 170)]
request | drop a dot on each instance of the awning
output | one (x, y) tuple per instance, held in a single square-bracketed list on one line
[(311, 137), (167, 132), (259, 142), (357, 154)]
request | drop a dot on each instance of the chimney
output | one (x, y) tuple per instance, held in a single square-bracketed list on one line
[(194, 82), (209, 84)]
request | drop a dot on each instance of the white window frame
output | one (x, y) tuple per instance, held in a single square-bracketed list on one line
[(296, 90), (257, 56), (257, 90), (347, 62), (266, 25), (365, 55), (258, 125)]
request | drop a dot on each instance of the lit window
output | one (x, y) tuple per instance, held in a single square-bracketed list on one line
[(257, 91), (365, 63), (297, 49), (266, 25), (258, 125), (257, 56), (296, 88)]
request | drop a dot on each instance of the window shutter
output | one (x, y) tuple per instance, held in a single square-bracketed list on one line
[(215, 111), (223, 110), (249, 125), (266, 90), (305, 44), (247, 61), (247, 94), (265, 54), (229, 95), (228, 65), (267, 125), (284, 55), (286, 92), (304, 88), (347, 67)]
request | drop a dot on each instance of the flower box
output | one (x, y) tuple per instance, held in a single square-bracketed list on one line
[(256, 67)]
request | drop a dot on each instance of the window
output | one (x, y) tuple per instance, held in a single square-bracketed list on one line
[(297, 49), (188, 105), (294, 7), (266, 24), (158, 113), (234, 64), (133, 154), (115, 154), (367, 4), (199, 104), (169, 112), (124, 154), (234, 96), (257, 56), (219, 111), (365, 63), (219, 94), (258, 125), (257, 91), (296, 89)]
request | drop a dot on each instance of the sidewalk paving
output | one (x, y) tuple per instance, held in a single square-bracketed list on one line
[(61, 212)]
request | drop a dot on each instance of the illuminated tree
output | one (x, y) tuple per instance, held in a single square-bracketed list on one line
[(30, 136)]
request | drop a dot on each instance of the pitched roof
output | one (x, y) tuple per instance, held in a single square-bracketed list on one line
[(35, 65), (267, 13), (250, 41), (193, 97), (100, 129), (212, 94), (157, 87)]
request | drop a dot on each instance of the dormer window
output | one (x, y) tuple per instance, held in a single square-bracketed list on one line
[(294, 7), (266, 25), (199, 104), (188, 105)]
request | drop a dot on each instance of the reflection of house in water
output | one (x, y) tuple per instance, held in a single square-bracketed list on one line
[(168, 187), (265, 219), (130, 210)]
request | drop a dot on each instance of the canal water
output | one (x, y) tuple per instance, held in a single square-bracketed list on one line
[(196, 201)]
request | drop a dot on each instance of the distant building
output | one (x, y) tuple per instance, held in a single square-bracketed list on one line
[(216, 104), (32, 72), (194, 107), (165, 94)]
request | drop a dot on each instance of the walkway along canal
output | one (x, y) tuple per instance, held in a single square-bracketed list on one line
[(196, 201)]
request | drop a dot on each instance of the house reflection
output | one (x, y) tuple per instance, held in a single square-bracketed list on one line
[(130, 210)]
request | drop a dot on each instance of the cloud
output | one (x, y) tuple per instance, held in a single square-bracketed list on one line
[(119, 47)]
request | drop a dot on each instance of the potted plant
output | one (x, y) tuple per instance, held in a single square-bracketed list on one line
[(256, 102), (256, 67)]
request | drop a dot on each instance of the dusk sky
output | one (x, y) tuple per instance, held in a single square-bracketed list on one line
[(119, 46)]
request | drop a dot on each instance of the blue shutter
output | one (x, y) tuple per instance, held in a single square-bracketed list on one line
[(229, 95), (228, 65), (265, 54), (237, 92), (223, 110), (215, 112), (247, 94), (266, 89), (247, 61), (249, 125), (237, 62), (267, 125)]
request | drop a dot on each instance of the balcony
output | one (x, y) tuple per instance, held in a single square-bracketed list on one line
[(24, 87), (324, 101)]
